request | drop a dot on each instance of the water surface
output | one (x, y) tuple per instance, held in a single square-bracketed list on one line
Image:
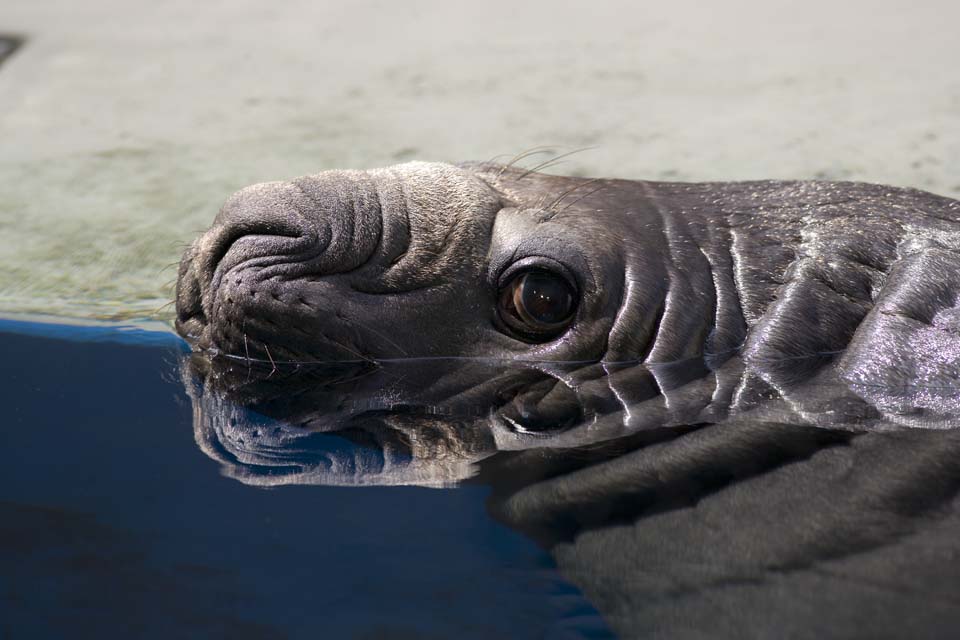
[(114, 524)]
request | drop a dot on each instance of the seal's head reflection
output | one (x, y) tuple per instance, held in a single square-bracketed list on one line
[(421, 422)]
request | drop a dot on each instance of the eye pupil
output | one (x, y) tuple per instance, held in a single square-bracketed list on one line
[(537, 304), (545, 297)]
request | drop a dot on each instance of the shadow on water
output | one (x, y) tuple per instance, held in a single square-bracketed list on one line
[(113, 524)]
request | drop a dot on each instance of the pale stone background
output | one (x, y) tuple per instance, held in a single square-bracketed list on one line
[(124, 125)]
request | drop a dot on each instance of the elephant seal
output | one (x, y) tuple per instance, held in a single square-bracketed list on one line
[(816, 303), (726, 409)]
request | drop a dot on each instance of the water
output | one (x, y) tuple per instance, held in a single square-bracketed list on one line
[(114, 524), (121, 516)]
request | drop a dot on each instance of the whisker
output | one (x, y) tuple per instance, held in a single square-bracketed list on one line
[(391, 342), (494, 159), (586, 195), (168, 266), (369, 372), (551, 164), (563, 195), (523, 155), (272, 363), (246, 349), (552, 160), (351, 351), (159, 309)]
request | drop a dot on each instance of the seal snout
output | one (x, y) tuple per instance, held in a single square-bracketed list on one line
[(190, 316), (258, 227), (268, 279), (262, 221)]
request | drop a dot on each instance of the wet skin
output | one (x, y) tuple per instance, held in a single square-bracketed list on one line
[(727, 408)]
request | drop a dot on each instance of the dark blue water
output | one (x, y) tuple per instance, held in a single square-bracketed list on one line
[(114, 524)]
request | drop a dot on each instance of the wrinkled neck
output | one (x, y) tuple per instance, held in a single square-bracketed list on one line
[(682, 304)]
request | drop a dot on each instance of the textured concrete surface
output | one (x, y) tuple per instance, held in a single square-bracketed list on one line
[(125, 124)]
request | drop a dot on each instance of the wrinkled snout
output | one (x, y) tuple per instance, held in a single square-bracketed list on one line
[(261, 223), (253, 272)]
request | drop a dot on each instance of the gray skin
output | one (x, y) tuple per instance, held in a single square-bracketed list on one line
[(733, 296), (746, 430)]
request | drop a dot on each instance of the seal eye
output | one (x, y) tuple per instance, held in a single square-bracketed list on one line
[(537, 304)]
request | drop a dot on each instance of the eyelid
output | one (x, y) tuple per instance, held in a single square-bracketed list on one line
[(530, 263)]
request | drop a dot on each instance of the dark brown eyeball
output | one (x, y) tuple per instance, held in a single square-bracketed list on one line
[(537, 304)]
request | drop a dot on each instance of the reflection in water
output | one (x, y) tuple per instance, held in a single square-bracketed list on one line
[(113, 525), (683, 499)]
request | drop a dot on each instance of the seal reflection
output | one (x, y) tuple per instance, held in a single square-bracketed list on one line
[(811, 531)]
